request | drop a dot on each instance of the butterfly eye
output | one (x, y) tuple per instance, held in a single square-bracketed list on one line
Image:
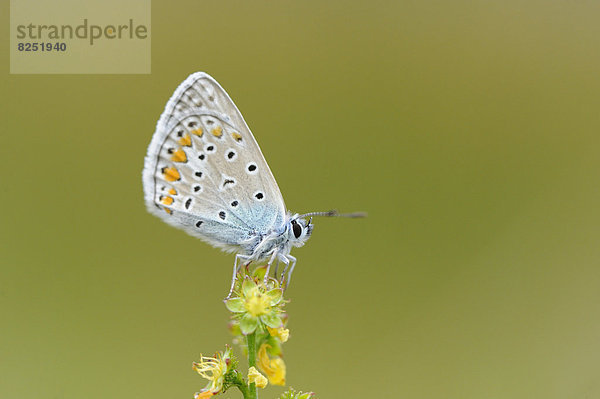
[(297, 229)]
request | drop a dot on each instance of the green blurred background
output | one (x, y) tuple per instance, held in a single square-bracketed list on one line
[(467, 129)]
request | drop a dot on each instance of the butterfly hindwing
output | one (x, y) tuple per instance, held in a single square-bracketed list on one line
[(204, 171)]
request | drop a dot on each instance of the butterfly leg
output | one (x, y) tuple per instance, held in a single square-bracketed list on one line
[(276, 268), (291, 259), (238, 258), (285, 269), (271, 259)]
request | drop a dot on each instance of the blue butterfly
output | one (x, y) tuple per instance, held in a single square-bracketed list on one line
[(205, 173)]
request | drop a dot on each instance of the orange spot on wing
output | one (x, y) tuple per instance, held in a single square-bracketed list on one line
[(172, 191), (217, 132), (170, 212), (171, 174), (185, 141), (236, 136), (198, 132), (167, 200), (179, 156)]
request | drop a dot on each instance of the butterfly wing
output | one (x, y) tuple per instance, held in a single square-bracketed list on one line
[(204, 171)]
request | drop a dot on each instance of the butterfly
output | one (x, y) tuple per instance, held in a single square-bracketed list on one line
[(205, 173)]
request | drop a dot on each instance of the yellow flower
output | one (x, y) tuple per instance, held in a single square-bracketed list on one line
[(254, 376), (214, 370), (258, 303), (273, 368), (282, 333)]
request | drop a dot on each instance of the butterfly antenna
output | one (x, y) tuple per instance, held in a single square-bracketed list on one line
[(334, 213)]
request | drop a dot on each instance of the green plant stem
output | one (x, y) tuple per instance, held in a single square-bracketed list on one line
[(245, 391), (251, 341), (239, 382)]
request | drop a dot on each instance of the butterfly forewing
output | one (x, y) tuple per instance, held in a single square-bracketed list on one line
[(204, 171)]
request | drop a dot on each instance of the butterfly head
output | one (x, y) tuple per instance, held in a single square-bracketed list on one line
[(299, 230)]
